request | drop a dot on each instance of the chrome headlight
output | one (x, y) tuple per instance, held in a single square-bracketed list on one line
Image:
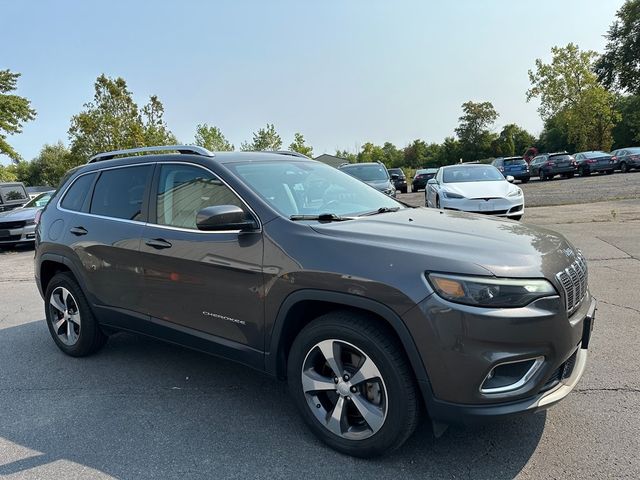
[(516, 193), (446, 194), (490, 291)]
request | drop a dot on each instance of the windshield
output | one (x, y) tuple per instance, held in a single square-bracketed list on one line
[(311, 188), (485, 173), (39, 201), (367, 173)]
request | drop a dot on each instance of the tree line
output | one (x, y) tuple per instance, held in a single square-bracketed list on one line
[(588, 101)]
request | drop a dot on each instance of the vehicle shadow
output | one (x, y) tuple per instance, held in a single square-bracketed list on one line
[(141, 408)]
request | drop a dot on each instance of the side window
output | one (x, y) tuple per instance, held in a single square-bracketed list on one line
[(183, 190), (119, 193), (77, 193)]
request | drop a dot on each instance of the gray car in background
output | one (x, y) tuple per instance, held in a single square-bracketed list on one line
[(373, 311), (19, 225), (374, 174)]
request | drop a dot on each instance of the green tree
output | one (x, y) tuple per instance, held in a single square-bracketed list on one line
[(451, 151), (370, 153), (627, 130), (393, 157), (473, 129), (51, 164), (113, 121), (350, 157), (619, 66), (264, 139), (513, 140), (14, 111), (569, 91), (7, 174), (415, 154), (212, 139), (553, 137), (299, 145)]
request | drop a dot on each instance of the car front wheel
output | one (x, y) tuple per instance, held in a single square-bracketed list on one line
[(624, 168), (353, 385)]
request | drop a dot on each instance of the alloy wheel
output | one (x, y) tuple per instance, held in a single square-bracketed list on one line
[(65, 316), (344, 389)]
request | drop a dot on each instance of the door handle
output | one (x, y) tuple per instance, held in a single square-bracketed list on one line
[(79, 231), (157, 243)]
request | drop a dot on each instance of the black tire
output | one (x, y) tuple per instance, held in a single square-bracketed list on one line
[(438, 202), (624, 168), (403, 190), (89, 336), (584, 172), (524, 180), (542, 177), (570, 175), (609, 172), (401, 396)]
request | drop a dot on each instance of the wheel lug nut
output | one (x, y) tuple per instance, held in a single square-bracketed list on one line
[(335, 379), (354, 389), (348, 399), (346, 377)]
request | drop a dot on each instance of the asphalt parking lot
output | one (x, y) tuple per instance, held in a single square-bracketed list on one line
[(144, 409)]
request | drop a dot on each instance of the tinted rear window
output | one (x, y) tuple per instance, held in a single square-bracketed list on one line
[(515, 161), (634, 150), (119, 192), (75, 196), (560, 158), (11, 193), (595, 154)]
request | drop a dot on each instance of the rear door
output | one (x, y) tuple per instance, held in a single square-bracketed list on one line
[(103, 229), (207, 281)]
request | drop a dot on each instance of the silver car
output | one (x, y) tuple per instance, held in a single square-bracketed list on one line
[(19, 225)]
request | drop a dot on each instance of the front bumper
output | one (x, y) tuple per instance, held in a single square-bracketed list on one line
[(499, 207), (26, 234), (452, 394)]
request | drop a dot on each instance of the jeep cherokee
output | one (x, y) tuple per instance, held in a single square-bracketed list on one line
[(373, 311)]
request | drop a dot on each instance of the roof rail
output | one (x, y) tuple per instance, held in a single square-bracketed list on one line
[(193, 149), (290, 153)]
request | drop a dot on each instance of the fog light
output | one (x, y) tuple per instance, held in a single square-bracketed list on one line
[(509, 376)]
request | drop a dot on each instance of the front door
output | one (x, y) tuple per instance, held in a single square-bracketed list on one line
[(206, 281)]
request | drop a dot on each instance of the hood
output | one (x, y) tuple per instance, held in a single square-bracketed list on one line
[(496, 189), (460, 242), (19, 214), (379, 184)]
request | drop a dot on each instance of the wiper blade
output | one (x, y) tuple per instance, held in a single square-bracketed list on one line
[(380, 210), (323, 217)]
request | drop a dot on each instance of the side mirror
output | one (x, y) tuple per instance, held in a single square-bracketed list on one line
[(510, 178), (395, 176), (432, 181), (224, 217)]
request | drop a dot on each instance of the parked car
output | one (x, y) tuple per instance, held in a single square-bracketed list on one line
[(421, 177), (399, 180), (12, 195), (374, 174), (34, 191), (627, 159), (368, 307), (19, 225), (517, 167), (548, 165), (475, 188), (594, 161)]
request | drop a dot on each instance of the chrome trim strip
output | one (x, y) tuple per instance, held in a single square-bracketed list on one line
[(538, 361), (167, 227)]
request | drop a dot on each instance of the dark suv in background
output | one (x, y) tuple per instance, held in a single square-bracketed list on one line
[(374, 174), (421, 177), (12, 195), (399, 179), (548, 165), (373, 311), (517, 167)]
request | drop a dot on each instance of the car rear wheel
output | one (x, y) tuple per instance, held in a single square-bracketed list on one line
[(584, 172), (71, 322), (353, 385)]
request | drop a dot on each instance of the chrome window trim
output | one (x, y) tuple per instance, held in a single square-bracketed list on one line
[(168, 227), (537, 363)]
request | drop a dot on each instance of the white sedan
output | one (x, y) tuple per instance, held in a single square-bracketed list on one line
[(475, 188)]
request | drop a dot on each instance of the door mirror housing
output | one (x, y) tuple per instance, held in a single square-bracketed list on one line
[(432, 181), (510, 178), (223, 218), (395, 176)]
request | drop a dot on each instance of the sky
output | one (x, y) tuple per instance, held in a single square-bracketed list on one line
[(341, 72)]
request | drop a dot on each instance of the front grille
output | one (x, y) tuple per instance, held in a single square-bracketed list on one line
[(563, 372), (10, 238), (574, 283), (12, 225)]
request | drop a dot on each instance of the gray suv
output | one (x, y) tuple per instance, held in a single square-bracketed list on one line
[(374, 312)]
